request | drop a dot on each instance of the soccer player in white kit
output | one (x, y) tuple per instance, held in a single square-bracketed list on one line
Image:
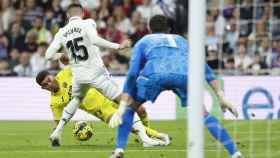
[(81, 41)]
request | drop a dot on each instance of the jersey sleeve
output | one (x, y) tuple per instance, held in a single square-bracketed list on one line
[(136, 64), (52, 51), (56, 109), (209, 74), (95, 39), (65, 73), (57, 113)]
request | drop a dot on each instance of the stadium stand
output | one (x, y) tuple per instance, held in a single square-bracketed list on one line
[(242, 36)]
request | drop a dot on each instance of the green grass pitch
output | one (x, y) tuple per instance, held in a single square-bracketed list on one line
[(29, 139)]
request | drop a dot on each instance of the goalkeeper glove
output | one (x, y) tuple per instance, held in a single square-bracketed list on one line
[(225, 104), (117, 117)]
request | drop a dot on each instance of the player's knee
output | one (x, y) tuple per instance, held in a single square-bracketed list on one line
[(117, 99), (206, 113), (141, 111)]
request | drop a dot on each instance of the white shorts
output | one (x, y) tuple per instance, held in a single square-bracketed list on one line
[(103, 83)]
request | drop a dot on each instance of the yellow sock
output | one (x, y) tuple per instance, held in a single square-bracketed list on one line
[(152, 133), (142, 113), (145, 120)]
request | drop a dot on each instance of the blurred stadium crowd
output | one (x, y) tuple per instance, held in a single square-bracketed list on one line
[(242, 36), (28, 26)]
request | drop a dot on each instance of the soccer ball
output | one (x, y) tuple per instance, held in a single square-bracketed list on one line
[(82, 131)]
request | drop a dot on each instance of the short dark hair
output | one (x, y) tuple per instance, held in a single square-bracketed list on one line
[(230, 60), (41, 76), (159, 24), (74, 5)]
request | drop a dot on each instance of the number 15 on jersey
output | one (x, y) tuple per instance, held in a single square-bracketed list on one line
[(78, 50)]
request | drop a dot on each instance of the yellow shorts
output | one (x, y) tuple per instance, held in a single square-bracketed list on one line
[(99, 106)]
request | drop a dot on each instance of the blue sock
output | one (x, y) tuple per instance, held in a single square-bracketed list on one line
[(125, 128), (219, 132)]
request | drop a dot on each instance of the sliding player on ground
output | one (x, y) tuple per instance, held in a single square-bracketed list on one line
[(94, 103), (159, 63), (81, 41)]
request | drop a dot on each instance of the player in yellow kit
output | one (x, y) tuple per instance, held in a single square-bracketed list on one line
[(94, 103)]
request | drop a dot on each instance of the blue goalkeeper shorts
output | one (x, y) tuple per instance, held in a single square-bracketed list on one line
[(148, 88)]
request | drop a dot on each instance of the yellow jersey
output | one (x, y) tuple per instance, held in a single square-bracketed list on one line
[(94, 102)]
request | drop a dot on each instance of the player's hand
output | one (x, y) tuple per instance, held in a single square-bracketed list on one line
[(116, 119), (125, 44), (64, 59), (226, 105)]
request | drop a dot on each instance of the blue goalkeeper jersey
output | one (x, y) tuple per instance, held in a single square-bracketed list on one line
[(160, 54)]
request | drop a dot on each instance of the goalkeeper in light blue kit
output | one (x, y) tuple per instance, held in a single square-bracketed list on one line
[(160, 63)]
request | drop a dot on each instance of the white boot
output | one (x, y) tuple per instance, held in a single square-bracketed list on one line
[(237, 155), (153, 143), (165, 138), (55, 138), (118, 153)]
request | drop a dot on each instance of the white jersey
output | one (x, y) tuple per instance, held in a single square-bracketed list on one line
[(81, 41)]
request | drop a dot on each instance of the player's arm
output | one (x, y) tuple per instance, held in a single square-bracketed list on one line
[(136, 64), (213, 82), (98, 41), (56, 110), (57, 113), (53, 49)]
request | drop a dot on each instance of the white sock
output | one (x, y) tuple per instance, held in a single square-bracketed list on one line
[(236, 155), (139, 127), (68, 113), (119, 150)]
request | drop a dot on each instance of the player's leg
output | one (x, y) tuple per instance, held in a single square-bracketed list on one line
[(147, 89), (107, 87), (156, 134), (124, 130), (110, 89), (214, 126), (142, 113), (218, 131), (140, 130), (67, 114), (104, 109), (78, 91), (123, 133)]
